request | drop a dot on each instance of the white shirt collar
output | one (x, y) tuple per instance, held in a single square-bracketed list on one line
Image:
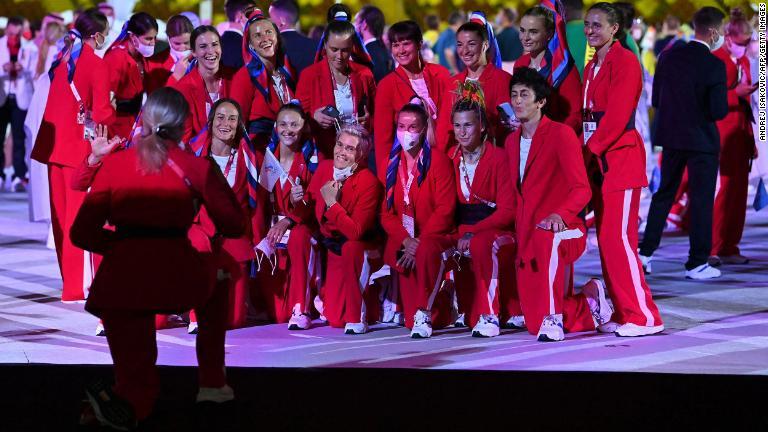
[(289, 30), (367, 41), (234, 29), (701, 42)]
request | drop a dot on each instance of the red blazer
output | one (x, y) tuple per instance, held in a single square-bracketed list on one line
[(355, 214), (315, 91), (282, 194), (492, 182), (565, 103), (126, 82), (394, 91), (158, 71), (737, 119), (253, 104), (155, 268), (615, 91), (554, 180), (434, 204), (60, 139), (495, 85), (193, 88)]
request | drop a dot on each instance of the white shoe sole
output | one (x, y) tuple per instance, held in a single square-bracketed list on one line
[(639, 331)]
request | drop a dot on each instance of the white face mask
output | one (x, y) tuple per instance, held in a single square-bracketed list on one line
[(344, 173), (737, 51), (408, 139), (178, 55), (718, 43), (145, 50), (110, 21)]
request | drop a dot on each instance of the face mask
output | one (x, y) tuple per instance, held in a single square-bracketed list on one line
[(178, 55), (99, 45), (407, 139), (737, 51), (110, 21), (145, 50), (27, 35), (718, 43), (343, 174)]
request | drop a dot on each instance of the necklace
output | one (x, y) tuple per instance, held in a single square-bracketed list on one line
[(473, 156)]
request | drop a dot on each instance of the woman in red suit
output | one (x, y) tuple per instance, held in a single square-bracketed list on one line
[(336, 81), (286, 283), (412, 78), (346, 198), (166, 68), (224, 144), (126, 60), (206, 82), (418, 216), (485, 213), (79, 100), (477, 48), (551, 191), (265, 83), (737, 145), (612, 87), (537, 28), (149, 193)]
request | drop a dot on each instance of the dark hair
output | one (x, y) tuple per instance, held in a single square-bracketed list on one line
[(455, 17), (90, 22), (140, 23), (416, 109), (16, 20), (289, 7), (545, 14), (706, 18), (405, 30), (432, 22), (738, 24), (374, 18), (613, 15), (476, 28), (573, 6), (200, 30), (672, 22), (295, 107), (336, 8), (339, 27), (178, 25), (533, 80), (240, 126), (280, 50), (509, 14), (232, 7), (628, 14), (468, 103)]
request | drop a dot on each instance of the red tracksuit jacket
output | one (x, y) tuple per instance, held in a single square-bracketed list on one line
[(159, 71), (315, 91), (193, 88), (564, 105), (60, 139), (126, 82), (736, 119)]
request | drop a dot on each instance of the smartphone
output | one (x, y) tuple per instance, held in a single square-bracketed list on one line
[(506, 112), (331, 111)]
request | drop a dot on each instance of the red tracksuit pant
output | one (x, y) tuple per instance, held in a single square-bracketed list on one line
[(75, 264), (420, 288), (545, 281), (237, 285), (289, 283), (730, 211), (616, 220), (486, 282), (345, 289), (132, 343)]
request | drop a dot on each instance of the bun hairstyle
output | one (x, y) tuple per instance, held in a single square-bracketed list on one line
[(340, 20), (418, 106), (613, 15), (471, 99), (738, 25), (163, 126), (90, 22)]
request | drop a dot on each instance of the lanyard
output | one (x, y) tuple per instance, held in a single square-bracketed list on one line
[(230, 161), (469, 185), (590, 78), (281, 88), (408, 183)]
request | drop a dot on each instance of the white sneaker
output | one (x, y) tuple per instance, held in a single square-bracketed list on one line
[(318, 302), (515, 322), (192, 327), (601, 310), (356, 328), (100, 330), (487, 326), (703, 272), (551, 329), (422, 325), (299, 321), (398, 318), (459, 323), (388, 311), (609, 327), (213, 394), (646, 261), (634, 330)]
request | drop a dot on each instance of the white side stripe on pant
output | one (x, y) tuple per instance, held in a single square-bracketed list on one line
[(494, 282), (365, 274), (632, 260), (554, 261), (87, 273), (310, 273)]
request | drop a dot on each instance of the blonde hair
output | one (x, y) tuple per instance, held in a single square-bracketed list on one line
[(163, 116), (358, 131), (53, 31)]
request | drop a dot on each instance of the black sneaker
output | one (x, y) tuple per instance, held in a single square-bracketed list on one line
[(110, 409)]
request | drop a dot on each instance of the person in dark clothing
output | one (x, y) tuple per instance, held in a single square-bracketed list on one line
[(669, 29), (299, 48), (369, 22), (508, 36), (232, 38), (690, 94)]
